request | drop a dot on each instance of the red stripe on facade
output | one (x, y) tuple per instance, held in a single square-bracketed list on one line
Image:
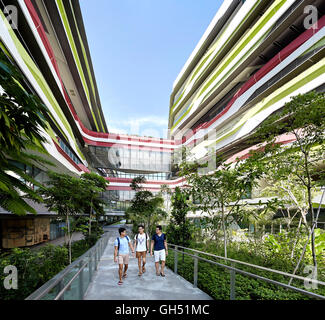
[(160, 182), (284, 53), (61, 151), (50, 53), (255, 78), (126, 146), (120, 188), (83, 168)]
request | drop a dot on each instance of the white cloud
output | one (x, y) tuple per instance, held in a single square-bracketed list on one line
[(148, 126)]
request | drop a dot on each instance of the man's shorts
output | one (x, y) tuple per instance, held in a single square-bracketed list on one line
[(160, 255), (123, 259), (140, 254)]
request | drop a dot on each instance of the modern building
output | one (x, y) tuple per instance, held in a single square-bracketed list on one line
[(46, 40), (253, 57)]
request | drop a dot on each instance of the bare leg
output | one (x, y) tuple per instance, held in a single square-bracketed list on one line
[(143, 263), (139, 265), (162, 267), (120, 271), (157, 267), (125, 269)]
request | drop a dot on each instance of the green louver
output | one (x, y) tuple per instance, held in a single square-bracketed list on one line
[(76, 56), (87, 65), (236, 50), (42, 83), (308, 75), (213, 48)]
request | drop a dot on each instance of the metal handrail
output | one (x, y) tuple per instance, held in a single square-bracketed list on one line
[(233, 271), (59, 278), (70, 282), (248, 264)]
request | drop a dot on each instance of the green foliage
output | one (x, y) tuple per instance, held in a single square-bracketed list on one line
[(22, 115), (93, 185), (146, 208), (34, 269), (320, 243), (282, 244), (71, 196), (215, 280), (37, 267), (303, 160), (96, 232), (52, 260), (219, 191), (180, 229), (78, 248), (27, 265), (63, 194)]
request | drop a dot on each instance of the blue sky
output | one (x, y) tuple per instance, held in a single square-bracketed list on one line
[(138, 47)]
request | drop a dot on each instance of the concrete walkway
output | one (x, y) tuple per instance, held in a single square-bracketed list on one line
[(148, 287)]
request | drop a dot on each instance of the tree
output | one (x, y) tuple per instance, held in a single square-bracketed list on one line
[(22, 118), (179, 228), (294, 200), (64, 194), (166, 193), (145, 207), (303, 117), (94, 185), (219, 193)]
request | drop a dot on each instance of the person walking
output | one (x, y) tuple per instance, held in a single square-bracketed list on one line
[(159, 244), (141, 246), (121, 253)]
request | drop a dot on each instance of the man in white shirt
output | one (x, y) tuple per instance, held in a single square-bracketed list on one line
[(141, 245)]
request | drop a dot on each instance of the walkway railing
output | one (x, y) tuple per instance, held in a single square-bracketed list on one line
[(233, 270), (72, 282)]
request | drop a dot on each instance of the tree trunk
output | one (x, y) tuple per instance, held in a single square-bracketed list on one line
[(312, 230), (149, 229), (91, 211), (296, 239), (224, 231), (70, 238), (66, 239), (310, 234)]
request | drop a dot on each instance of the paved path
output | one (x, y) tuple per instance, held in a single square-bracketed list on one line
[(148, 287)]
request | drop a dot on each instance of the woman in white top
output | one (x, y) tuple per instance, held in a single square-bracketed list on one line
[(141, 244)]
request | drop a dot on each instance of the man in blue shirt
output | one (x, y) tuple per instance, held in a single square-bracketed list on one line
[(121, 253), (159, 244)]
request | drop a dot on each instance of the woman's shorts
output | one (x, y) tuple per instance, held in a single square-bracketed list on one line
[(140, 254)]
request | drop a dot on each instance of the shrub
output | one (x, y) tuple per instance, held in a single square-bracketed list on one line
[(27, 266), (215, 280), (36, 267), (52, 259)]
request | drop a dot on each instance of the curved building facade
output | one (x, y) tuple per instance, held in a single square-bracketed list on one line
[(252, 58)]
